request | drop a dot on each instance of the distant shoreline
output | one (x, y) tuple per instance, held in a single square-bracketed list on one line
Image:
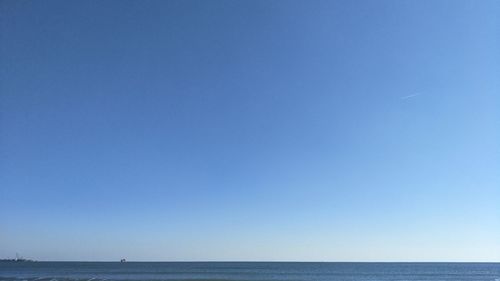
[(83, 261), (16, 260)]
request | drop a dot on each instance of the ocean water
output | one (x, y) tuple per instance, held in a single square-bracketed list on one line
[(248, 271)]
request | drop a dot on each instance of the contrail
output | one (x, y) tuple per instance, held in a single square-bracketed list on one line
[(409, 96)]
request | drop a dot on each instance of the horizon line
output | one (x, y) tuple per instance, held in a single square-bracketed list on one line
[(257, 261)]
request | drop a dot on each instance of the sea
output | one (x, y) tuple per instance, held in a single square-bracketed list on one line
[(247, 271)]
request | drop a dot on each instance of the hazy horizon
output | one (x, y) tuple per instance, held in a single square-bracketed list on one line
[(250, 130)]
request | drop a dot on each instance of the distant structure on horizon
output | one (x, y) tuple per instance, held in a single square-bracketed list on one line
[(17, 259)]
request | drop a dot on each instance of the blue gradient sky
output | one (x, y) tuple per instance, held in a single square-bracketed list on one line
[(250, 130)]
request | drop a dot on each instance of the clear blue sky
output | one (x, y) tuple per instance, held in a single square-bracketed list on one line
[(250, 130)]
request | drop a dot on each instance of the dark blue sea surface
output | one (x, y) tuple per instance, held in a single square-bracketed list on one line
[(248, 271)]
